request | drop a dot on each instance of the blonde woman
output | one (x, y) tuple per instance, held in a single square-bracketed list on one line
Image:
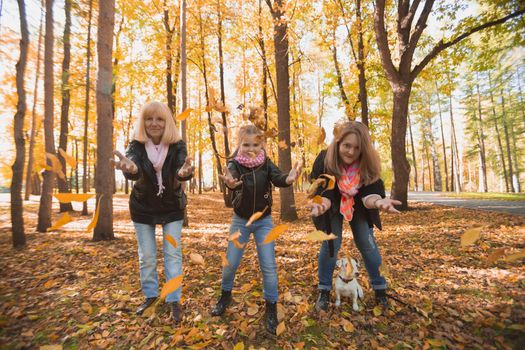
[(156, 159), (358, 197)]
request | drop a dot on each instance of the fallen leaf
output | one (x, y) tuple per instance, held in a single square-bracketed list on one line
[(377, 310), (516, 256), (280, 328), (171, 286), (69, 159), (347, 325), (299, 346), (197, 259), (185, 114), (320, 236), (56, 166), (73, 197), (172, 240), (275, 233), (87, 308), (64, 219), (256, 216), (93, 222), (239, 346), (252, 310), (51, 347), (470, 236), (495, 255)]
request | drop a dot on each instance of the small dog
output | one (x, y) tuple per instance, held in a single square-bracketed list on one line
[(346, 282)]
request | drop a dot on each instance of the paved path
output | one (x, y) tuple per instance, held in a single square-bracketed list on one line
[(440, 198)]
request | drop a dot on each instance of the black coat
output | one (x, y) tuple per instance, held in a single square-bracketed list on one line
[(371, 215), (255, 193), (144, 204)]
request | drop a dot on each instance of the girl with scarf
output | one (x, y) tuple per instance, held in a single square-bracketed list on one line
[(250, 175), (358, 196), (156, 159)]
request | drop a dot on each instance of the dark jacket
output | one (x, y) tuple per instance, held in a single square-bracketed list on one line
[(144, 204), (371, 215), (255, 193)]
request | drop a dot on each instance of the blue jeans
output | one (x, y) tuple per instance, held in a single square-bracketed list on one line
[(149, 279), (265, 253), (365, 242)]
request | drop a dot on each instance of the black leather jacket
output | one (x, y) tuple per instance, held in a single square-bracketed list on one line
[(144, 204), (255, 193)]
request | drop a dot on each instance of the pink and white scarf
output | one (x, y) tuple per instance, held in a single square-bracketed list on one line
[(348, 186), (157, 155), (248, 162)]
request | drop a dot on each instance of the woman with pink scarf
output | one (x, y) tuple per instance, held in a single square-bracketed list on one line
[(156, 159), (358, 196)]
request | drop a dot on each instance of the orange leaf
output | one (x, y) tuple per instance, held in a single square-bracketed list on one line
[(208, 108), (275, 233), (93, 222), (256, 216), (234, 238), (312, 190), (64, 219), (282, 144), (171, 286), (56, 167), (172, 240), (321, 137), (73, 197), (69, 159), (271, 133), (470, 236), (317, 200), (185, 114), (219, 107), (495, 255), (516, 256), (331, 181), (224, 260), (280, 329), (320, 236)]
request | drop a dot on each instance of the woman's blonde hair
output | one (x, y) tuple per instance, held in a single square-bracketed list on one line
[(246, 130), (171, 132), (369, 162)]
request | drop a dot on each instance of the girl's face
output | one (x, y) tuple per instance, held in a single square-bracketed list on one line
[(349, 149), (250, 145), (154, 126)]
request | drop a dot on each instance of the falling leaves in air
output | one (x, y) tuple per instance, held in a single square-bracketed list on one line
[(64, 219), (172, 240), (73, 197), (197, 259), (516, 256), (312, 190), (271, 133), (282, 144), (185, 114), (224, 260), (256, 216), (93, 222), (56, 167), (470, 236), (317, 200), (275, 233), (234, 238), (321, 137), (171, 286), (69, 159), (320, 236)]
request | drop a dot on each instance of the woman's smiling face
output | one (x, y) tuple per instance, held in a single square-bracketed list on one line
[(349, 149)]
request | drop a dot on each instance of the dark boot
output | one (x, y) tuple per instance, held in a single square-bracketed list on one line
[(222, 303), (271, 317), (323, 300), (147, 303), (176, 312), (381, 298)]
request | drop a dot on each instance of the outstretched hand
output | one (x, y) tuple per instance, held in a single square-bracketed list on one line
[(187, 168), (294, 174), (319, 209), (229, 180), (124, 164), (387, 205)]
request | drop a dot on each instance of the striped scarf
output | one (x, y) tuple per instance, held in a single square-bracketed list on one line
[(349, 186)]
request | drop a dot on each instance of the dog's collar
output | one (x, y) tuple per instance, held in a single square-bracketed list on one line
[(345, 280)]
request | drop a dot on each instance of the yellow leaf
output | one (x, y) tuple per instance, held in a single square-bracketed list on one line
[(73, 197), (331, 181), (93, 222), (171, 286), (321, 137), (252, 310), (377, 311), (185, 114), (282, 144), (275, 233), (256, 216), (56, 167), (172, 241), (234, 238), (470, 236), (312, 190), (271, 133), (239, 346), (69, 159), (320, 236), (197, 259), (516, 256), (347, 326), (51, 347), (280, 328), (87, 308), (224, 260), (384, 270), (495, 255), (317, 199), (64, 219)]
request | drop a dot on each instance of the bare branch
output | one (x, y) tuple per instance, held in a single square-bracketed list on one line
[(382, 41)]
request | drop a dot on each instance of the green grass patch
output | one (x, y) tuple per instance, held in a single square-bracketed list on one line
[(490, 195)]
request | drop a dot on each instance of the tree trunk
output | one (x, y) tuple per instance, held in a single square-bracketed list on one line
[(507, 142), (363, 96), (288, 212), (482, 153), (500, 146), (64, 115), (442, 138), (85, 187), (221, 76), (170, 30), (104, 170), (264, 69), (183, 64), (34, 130), (17, 210), (454, 145), (344, 97), (516, 179), (44, 210), (434, 154), (413, 152), (76, 168)]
